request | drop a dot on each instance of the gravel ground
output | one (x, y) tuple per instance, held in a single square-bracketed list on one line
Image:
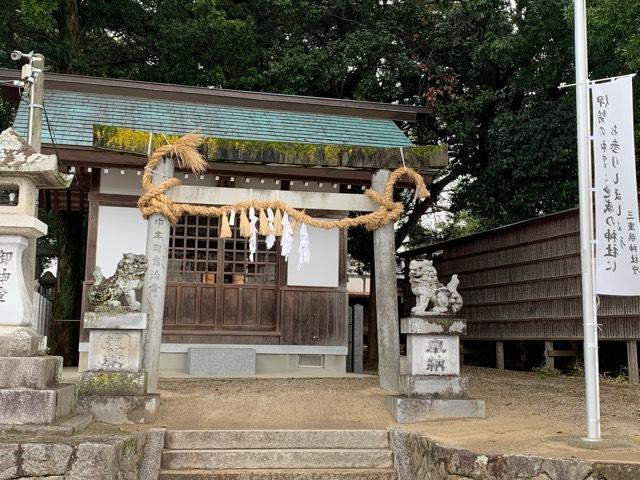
[(523, 409)]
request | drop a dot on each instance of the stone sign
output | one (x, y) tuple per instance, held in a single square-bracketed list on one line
[(114, 350), (15, 306), (433, 355)]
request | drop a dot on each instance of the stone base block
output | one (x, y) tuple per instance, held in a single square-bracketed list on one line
[(221, 361), (112, 383), (433, 386), (433, 324), (27, 406), (115, 320), (413, 410), (19, 341), (30, 372), (121, 409)]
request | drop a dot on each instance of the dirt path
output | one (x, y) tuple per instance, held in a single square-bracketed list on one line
[(522, 409)]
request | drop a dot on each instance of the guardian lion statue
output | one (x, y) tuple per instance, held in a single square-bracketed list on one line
[(106, 293), (429, 291)]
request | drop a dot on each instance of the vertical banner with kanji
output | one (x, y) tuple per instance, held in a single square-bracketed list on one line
[(616, 194)]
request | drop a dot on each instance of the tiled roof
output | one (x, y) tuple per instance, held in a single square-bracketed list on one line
[(73, 114)]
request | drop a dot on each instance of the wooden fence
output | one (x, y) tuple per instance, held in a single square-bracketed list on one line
[(522, 282), (42, 314)]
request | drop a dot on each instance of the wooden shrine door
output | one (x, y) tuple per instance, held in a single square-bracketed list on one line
[(213, 287)]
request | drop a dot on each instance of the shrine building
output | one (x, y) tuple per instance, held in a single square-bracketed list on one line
[(292, 316)]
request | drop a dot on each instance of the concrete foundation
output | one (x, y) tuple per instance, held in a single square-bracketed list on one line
[(412, 410), (121, 409), (172, 363), (221, 361)]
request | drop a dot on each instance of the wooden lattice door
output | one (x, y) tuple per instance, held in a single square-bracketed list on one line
[(214, 286), (249, 287)]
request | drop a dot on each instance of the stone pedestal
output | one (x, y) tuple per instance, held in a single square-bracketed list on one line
[(114, 388), (431, 386), (30, 392)]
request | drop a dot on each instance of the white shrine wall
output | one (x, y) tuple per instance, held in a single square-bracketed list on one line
[(123, 230), (322, 270), (114, 182), (120, 230)]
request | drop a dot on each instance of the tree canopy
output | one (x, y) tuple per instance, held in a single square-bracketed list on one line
[(490, 69)]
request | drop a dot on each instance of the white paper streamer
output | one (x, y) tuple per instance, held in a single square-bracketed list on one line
[(232, 218), (304, 247), (287, 237), (253, 239), (271, 237)]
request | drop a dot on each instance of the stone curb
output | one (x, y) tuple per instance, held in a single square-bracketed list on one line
[(420, 458)]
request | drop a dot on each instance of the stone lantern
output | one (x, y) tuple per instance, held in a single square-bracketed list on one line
[(29, 391)]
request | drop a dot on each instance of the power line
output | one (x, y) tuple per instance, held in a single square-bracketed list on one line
[(51, 134)]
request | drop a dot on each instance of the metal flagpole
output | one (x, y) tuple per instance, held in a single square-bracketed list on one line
[(589, 315)]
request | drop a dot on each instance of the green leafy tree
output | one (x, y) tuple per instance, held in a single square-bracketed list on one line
[(7, 111), (489, 68)]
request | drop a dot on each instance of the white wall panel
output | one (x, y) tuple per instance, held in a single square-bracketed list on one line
[(322, 271), (120, 230)]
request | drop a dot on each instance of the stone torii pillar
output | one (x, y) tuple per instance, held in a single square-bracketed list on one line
[(155, 282), (384, 254)]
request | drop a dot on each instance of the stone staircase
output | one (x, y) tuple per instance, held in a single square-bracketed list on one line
[(277, 455)]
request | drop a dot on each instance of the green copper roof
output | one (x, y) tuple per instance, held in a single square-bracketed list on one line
[(73, 114)]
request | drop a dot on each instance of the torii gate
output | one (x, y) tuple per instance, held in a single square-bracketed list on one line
[(379, 160)]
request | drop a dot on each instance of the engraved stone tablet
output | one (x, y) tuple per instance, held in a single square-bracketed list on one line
[(114, 350), (433, 355)]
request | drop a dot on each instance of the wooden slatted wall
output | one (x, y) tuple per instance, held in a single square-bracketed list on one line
[(522, 282)]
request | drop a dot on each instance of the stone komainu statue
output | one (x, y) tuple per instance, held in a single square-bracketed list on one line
[(106, 292), (428, 290)]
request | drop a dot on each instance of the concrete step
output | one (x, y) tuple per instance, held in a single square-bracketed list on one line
[(276, 459), (60, 428), (274, 439), (317, 474)]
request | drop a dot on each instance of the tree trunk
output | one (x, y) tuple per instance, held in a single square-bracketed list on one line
[(70, 32), (70, 234)]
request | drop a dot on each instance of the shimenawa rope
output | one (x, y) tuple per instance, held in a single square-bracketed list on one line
[(185, 151)]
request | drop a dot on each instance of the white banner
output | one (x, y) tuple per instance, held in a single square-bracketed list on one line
[(616, 193)]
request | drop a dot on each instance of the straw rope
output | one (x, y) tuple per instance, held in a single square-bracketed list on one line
[(184, 150)]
